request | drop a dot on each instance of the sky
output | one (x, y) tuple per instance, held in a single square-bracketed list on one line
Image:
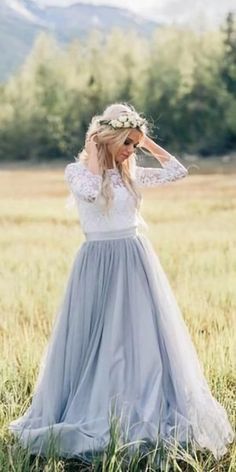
[(179, 10)]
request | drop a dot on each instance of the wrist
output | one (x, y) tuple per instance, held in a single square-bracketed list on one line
[(145, 142)]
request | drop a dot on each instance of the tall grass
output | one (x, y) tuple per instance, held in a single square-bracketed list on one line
[(192, 228)]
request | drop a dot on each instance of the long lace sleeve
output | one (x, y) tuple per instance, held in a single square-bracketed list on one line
[(82, 182), (151, 176)]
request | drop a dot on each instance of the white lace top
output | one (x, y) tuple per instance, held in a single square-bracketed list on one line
[(85, 187)]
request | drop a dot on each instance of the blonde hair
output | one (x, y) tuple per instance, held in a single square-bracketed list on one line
[(115, 138)]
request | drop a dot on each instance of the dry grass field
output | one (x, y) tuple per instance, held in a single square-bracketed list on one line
[(192, 226)]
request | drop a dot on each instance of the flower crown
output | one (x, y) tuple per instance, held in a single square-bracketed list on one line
[(125, 121)]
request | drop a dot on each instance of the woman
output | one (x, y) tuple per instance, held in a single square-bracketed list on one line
[(119, 347)]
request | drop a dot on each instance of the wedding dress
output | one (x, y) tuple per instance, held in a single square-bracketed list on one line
[(119, 344)]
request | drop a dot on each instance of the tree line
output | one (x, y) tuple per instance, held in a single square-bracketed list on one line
[(183, 81)]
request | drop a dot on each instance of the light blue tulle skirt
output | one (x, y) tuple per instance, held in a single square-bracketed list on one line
[(119, 348)]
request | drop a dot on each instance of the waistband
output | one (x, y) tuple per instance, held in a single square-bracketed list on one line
[(117, 234)]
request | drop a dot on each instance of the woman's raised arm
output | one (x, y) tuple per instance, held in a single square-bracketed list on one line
[(170, 171)]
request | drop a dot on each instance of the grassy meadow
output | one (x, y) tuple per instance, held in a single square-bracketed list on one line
[(192, 228)]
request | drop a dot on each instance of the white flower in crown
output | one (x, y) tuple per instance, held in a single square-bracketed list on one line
[(133, 122), (116, 124), (123, 118)]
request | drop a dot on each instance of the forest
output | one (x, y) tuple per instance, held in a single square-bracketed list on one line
[(182, 81)]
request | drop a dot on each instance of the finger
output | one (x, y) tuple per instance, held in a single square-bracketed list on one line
[(94, 139)]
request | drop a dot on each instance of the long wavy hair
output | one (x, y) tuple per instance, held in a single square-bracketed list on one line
[(115, 138)]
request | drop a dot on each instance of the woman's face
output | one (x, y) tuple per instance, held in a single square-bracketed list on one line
[(129, 145)]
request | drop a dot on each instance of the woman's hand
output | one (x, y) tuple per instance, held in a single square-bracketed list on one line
[(142, 141), (91, 145), (157, 151), (92, 151)]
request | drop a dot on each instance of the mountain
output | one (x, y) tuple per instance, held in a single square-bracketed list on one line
[(22, 20), (18, 30)]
